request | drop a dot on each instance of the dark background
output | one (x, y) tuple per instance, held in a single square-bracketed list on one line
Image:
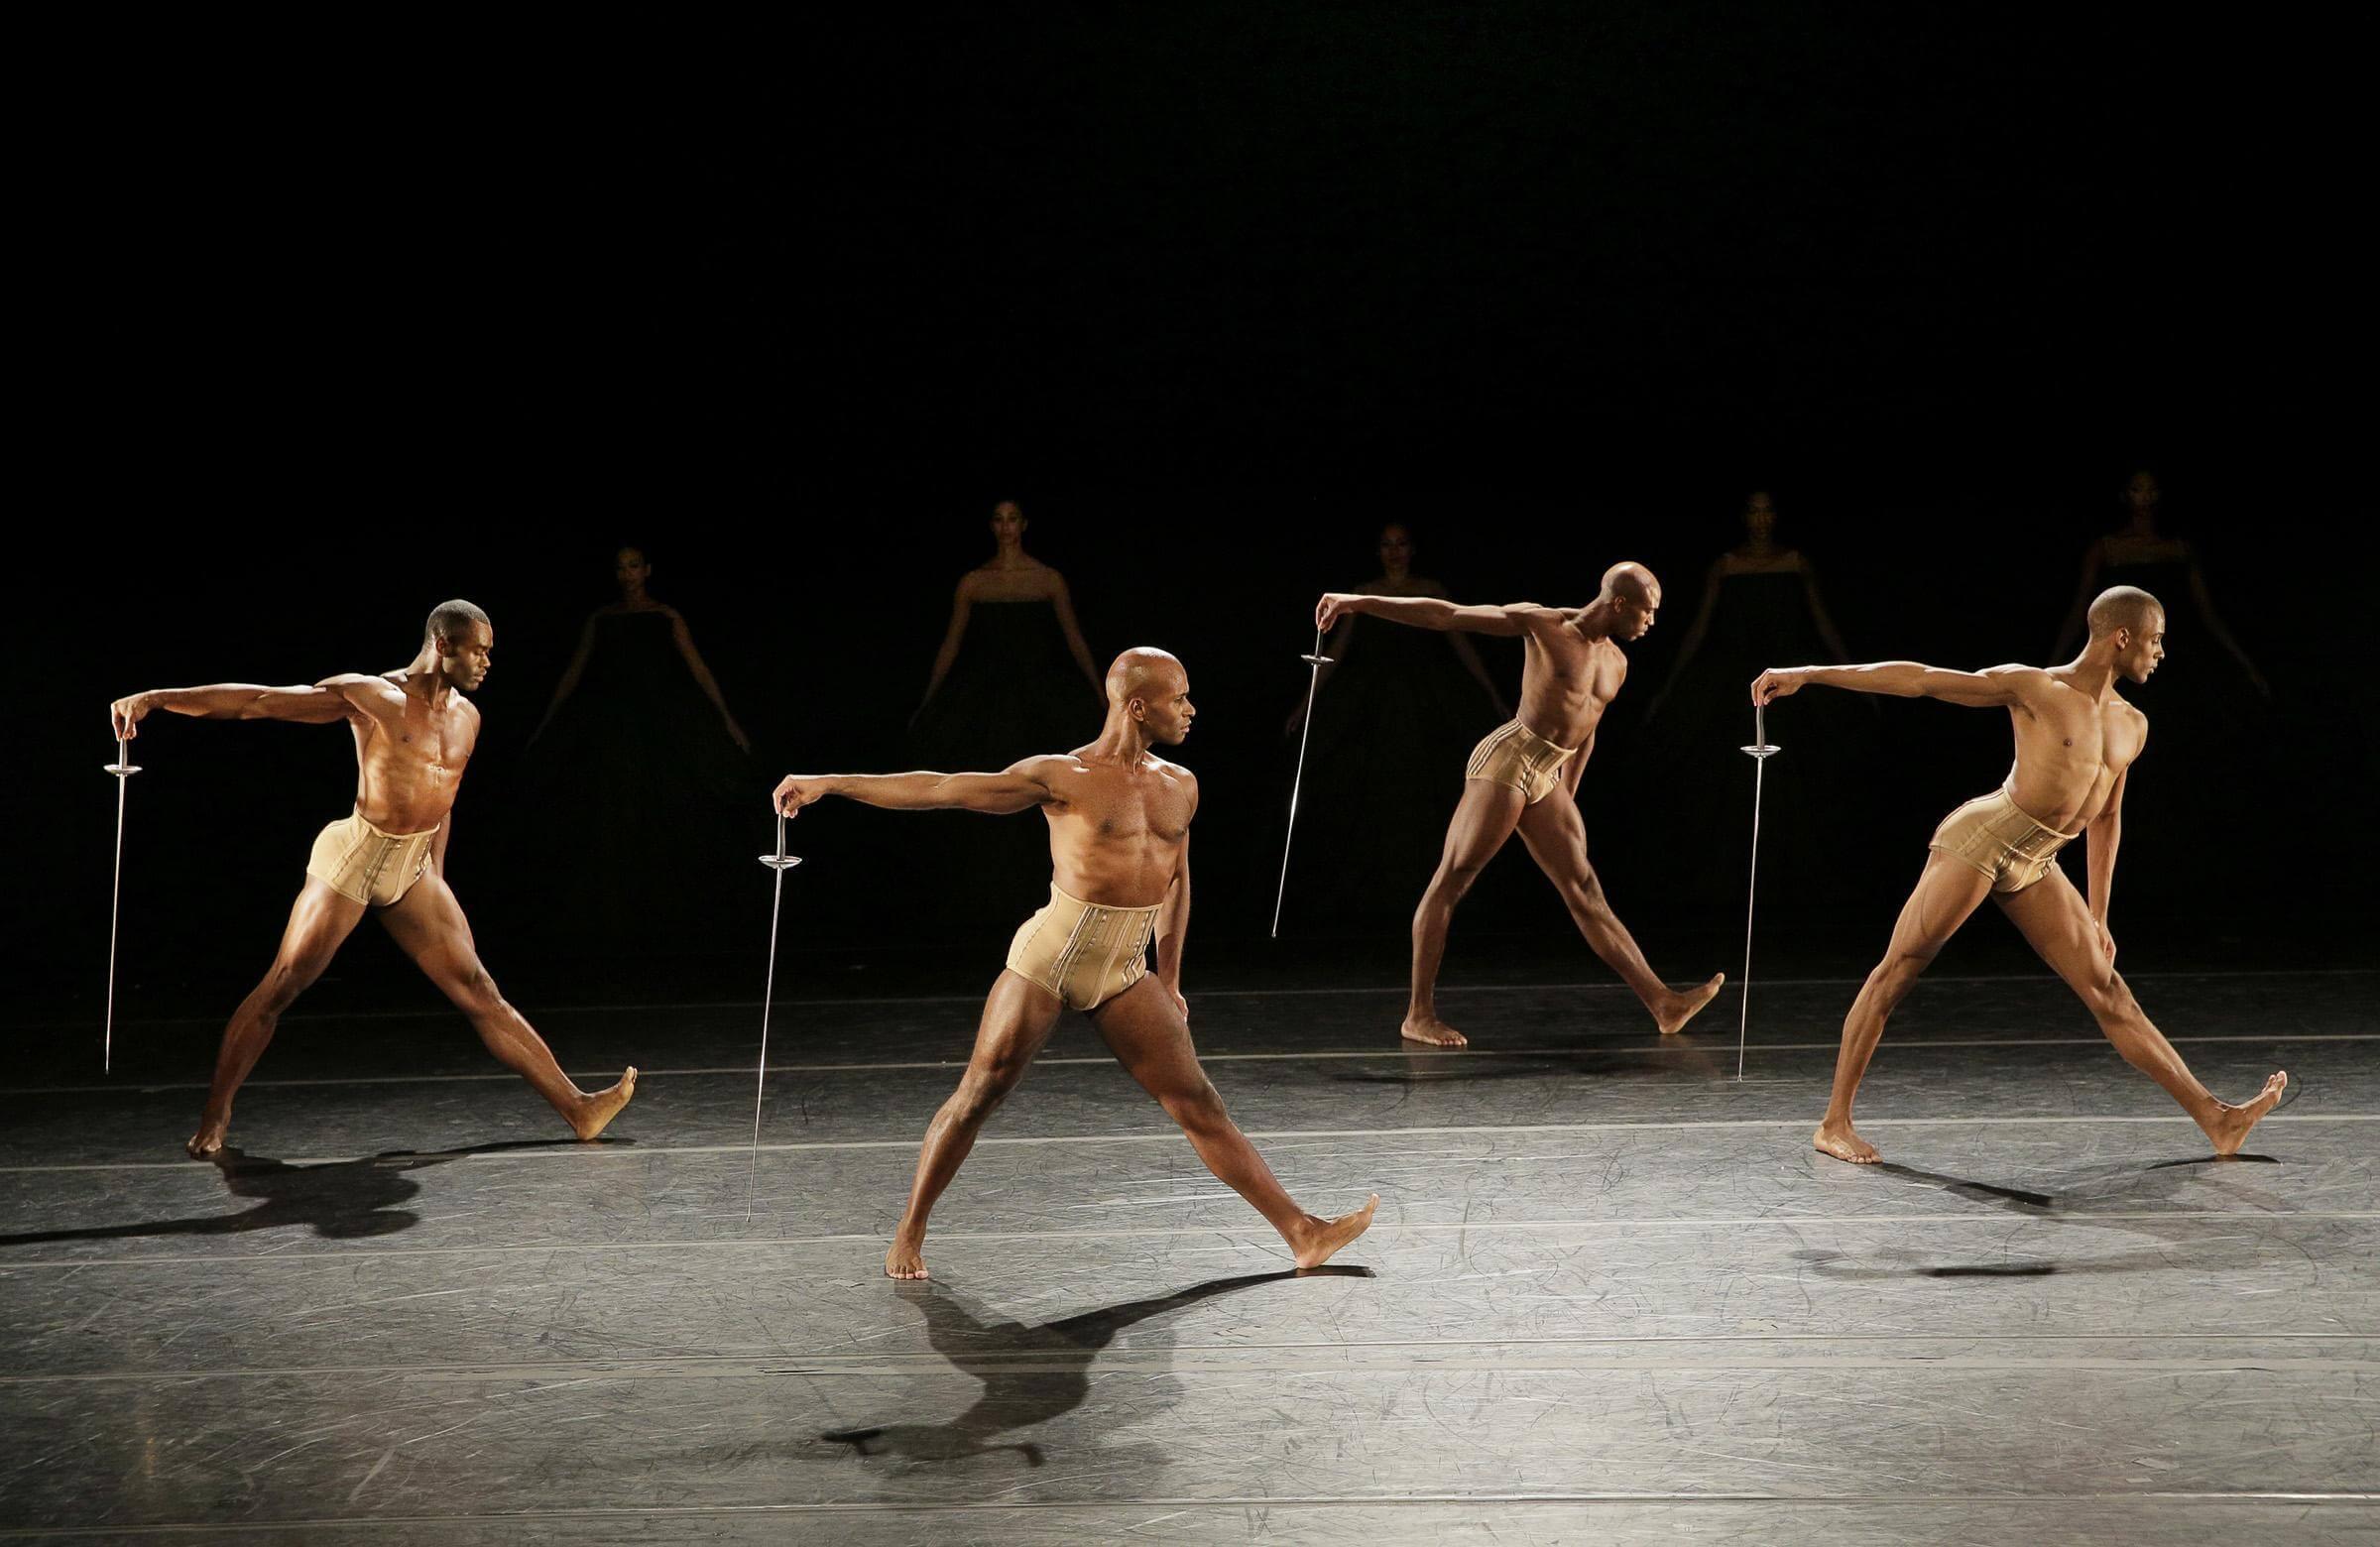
[(1213, 298)]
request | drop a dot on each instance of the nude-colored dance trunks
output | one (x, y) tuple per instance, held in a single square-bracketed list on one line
[(361, 863), (1515, 754), (1999, 838), (1083, 953)]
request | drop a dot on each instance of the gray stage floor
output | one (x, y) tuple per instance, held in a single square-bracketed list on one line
[(1611, 1294)]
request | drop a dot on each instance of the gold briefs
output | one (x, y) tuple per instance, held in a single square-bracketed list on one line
[(361, 863), (1997, 837), (1083, 953), (1516, 756)]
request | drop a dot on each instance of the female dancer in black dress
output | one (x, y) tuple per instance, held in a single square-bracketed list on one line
[(1759, 598), (637, 777), (1394, 718)]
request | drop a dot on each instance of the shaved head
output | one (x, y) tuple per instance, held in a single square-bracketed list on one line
[(2122, 607), (1629, 581), (1144, 671)]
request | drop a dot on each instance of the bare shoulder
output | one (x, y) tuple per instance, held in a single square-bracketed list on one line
[(1536, 618), (2027, 686), (1174, 771), (1053, 771), (1178, 777), (363, 688)]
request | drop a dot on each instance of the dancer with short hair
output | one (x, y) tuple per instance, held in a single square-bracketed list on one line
[(2077, 738), (413, 732)]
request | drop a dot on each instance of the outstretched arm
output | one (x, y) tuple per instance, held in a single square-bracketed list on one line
[(570, 675), (1019, 787), (1424, 612), (2070, 630), (1693, 636), (1826, 633), (2223, 635), (702, 677), (1062, 602), (1173, 928), (324, 703), (2105, 831), (961, 603), (1994, 687)]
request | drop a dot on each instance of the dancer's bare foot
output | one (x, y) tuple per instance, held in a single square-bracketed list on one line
[(1319, 1239), (596, 1115), (906, 1259), (1679, 1009), (207, 1143), (1838, 1139), (1431, 1029), (2229, 1130)]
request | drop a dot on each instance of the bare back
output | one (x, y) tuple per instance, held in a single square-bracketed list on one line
[(2071, 747), (409, 752), (1117, 832), (1567, 679)]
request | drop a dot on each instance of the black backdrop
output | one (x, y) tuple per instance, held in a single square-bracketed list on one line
[(1213, 300)]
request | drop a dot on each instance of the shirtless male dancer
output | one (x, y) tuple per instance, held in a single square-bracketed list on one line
[(413, 732), (2076, 739), (1525, 776), (1120, 849)]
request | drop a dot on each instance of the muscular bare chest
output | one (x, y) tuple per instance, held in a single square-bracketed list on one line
[(414, 743), (1114, 805), (1582, 675)]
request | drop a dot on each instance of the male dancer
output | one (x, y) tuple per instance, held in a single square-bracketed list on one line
[(413, 732), (2076, 739), (1525, 776), (1119, 849)]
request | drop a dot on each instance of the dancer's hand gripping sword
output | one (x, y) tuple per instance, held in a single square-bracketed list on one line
[(1315, 663), (123, 768), (1759, 751), (780, 862)]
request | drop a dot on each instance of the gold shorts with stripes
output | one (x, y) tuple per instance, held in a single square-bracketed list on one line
[(1515, 754), (1083, 953), (361, 863), (1997, 837)]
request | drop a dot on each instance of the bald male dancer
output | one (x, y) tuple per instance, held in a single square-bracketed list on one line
[(1525, 776), (1119, 853), (413, 732), (2076, 740)]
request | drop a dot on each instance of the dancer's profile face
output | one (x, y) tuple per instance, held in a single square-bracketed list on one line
[(465, 658), (631, 569), (1166, 710), (2144, 652), (1636, 613), (1008, 522)]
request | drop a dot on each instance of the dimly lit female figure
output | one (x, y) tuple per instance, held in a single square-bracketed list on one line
[(2140, 555), (1002, 683), (638, 747), (1397, 709), (634, 640), (1759, 597)]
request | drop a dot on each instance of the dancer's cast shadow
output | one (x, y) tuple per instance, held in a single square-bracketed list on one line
[(2157, 1182), (1030, 1375), (340, 1200), (1451, 1066)]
